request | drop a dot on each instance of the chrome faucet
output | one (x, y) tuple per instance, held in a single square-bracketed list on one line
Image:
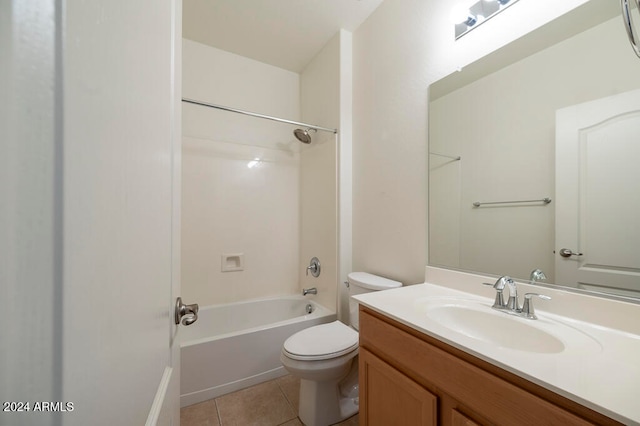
[(512, 305), (499, 303), (311, 290), (537, 275)]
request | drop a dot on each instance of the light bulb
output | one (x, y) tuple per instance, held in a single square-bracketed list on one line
[(459, 13)]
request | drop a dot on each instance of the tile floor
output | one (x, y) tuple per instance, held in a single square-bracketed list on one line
[(272, 403)]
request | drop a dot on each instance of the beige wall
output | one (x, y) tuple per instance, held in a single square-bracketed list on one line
[(404, 46)]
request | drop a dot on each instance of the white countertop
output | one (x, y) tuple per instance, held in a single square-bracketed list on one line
[(599, 368)]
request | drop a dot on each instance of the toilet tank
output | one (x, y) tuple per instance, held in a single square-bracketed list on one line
[(363, 282)]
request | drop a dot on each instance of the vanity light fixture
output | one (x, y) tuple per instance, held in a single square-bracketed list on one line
[(465, 19), (461, 15)]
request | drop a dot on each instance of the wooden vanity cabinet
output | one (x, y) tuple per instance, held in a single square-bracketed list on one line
[(409, 378)]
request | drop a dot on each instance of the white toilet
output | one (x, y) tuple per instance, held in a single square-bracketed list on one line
[(324, 357)]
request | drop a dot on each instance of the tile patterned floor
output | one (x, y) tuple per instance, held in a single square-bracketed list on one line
[(273, 403)]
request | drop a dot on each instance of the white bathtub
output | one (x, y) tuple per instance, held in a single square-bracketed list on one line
[(237, 345)]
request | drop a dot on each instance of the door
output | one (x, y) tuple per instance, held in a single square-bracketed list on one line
[(121, 141), (389, 397), (598, 195), (89, 180)]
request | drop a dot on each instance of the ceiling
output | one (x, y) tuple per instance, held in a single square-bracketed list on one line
[(283, 33)]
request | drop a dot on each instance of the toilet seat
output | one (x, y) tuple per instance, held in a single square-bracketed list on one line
[(321, 342)]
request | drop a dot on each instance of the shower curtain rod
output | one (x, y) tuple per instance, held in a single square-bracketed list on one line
[(255, 114)]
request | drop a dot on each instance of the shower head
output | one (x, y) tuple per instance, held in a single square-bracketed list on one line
[(303, 135)]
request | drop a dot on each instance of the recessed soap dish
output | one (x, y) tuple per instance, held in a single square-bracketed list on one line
[(232, 262)]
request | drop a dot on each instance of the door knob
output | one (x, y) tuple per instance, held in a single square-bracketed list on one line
[(565, 252), (187, 314)]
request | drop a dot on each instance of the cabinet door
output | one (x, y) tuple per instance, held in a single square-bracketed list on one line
[(388, 397), (459, 419)]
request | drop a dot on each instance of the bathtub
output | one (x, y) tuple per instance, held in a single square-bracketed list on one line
[(237, 345)]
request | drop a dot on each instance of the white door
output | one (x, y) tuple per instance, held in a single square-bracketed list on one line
[(90, 223), (121, 136), (598, 195)]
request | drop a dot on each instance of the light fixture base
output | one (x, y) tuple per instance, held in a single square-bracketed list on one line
[(480, 12)]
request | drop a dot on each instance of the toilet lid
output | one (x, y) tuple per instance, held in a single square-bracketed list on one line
[(322, 341)]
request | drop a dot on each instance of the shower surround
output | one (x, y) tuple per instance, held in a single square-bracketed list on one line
[(250, 190)]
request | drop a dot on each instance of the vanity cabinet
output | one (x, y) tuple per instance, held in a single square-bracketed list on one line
[(393, 398), (409, 378)]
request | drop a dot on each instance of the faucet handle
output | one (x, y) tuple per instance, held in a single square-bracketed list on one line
[(314, 267), (527, 307)]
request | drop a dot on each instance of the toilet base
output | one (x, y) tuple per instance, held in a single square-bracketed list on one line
[(324, 403)]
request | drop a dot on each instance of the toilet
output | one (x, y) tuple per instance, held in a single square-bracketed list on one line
[(324, 357)]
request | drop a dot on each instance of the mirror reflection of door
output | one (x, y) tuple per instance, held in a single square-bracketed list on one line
[(598, 194)]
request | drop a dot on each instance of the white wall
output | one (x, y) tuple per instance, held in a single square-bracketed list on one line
[(398, 51), (503, 126), (227, 207)]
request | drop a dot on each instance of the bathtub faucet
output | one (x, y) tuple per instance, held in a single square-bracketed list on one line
[(311, 290), (314, 267)]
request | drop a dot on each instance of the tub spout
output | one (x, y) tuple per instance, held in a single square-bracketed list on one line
[(311, 290)]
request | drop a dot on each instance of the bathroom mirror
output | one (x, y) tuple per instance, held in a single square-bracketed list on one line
[(492, 139)]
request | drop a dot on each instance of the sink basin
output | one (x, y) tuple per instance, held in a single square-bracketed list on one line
[(481, 323), (501, 330)]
